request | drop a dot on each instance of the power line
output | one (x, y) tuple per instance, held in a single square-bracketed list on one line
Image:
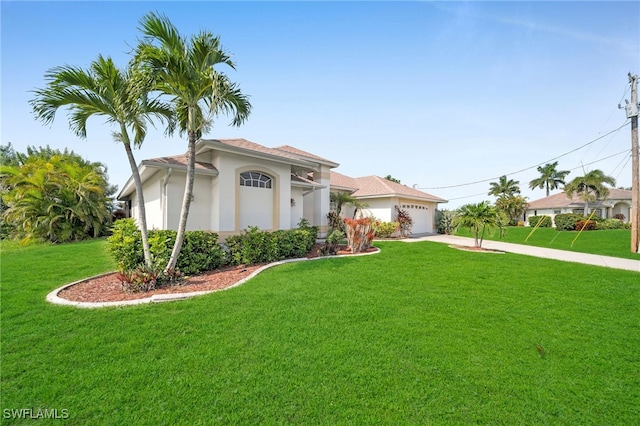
[(575, 168), (536, 165)]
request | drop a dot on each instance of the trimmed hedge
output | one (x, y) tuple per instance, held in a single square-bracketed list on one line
[(567, 221), (200, 250), (256, 246), (546, 221), (612, 224)]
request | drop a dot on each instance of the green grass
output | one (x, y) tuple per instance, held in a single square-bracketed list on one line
[(419, 334), (611, 242)]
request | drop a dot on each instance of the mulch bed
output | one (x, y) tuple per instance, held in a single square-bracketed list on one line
[(107, 288)]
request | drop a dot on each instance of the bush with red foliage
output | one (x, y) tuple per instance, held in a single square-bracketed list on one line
[(586, 225)]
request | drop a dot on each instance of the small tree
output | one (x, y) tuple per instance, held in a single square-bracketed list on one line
[(479, 218)]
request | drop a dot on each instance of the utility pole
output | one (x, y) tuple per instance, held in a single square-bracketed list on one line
[(632, 113)]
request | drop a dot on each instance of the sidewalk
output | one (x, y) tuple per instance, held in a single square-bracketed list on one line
[(567, 256)]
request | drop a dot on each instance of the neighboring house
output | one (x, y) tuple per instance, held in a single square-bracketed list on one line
[(382, 196), (618, 202), (239, 183)]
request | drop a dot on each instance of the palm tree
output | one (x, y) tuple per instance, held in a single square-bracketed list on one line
[(590, 187), (341, 199), (550, 178), (105, 90), (504, 187), (478, 218), (184, 70)]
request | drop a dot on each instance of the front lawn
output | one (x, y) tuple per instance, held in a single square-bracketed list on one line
[(610, 242), (419, 334)]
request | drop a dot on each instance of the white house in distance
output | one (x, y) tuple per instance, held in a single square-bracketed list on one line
[(618, 202), (239, 183)]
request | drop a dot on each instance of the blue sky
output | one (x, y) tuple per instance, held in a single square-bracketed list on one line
[(437, 94)]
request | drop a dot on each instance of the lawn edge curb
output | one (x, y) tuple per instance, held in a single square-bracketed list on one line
[(52, 297)]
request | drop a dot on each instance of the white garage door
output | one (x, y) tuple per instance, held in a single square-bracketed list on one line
[(421, 215)]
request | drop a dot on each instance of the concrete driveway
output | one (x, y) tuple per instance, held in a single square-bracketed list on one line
[(567, 256)]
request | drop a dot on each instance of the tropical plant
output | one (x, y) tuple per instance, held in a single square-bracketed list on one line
[(590, 187), (392, 179), (121, 96), (340, 199), (404, 219), (479, 218), (359, 233), (56, 196), (550, 178), (504, 187), (444, 221), (513, 206), (184, 70)]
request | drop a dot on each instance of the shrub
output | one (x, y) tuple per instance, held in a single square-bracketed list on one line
[(125, 245), (586, 225), (256, 246), (546, 221), (567, 221), (610, 224), (444, 221), (332, 243), (385, 229), (406, 223), (200, 250), (619, 216)]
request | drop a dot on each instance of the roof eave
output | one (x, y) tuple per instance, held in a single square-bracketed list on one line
[(203, 144)]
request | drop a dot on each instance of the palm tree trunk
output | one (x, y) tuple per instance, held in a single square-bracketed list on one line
[(141, 207), (186, 201)]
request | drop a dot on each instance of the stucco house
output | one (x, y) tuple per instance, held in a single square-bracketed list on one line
[(239, 183), (618, 202)]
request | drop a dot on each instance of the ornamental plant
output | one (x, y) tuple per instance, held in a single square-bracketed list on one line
[(385, 229), (404, 219), (359, 233)]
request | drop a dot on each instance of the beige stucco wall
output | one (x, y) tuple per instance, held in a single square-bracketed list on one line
[(152, 201), (296, 207), (226, 193)]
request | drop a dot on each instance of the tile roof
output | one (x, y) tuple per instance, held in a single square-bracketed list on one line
[(560, 200), (179, 161), (343, 182), (304, 154), (376, 186), (284, 152)]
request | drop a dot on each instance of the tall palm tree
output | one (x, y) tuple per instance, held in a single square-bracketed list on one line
[(550, 178), (479, 218), (590, 187), (121, 96), (504, 187), (184, 71)]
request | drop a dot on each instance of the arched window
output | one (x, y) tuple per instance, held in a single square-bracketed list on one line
[(255, 179)]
